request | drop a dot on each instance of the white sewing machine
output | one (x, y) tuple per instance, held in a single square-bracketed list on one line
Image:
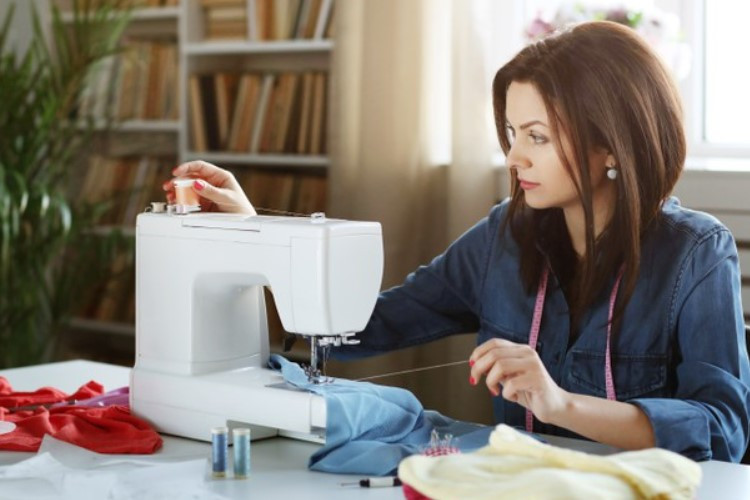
[(201, 330)]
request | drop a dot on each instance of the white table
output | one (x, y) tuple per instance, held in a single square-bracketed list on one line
[(279, 465)]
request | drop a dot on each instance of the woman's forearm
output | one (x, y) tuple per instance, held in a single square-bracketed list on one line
[(615, 423)]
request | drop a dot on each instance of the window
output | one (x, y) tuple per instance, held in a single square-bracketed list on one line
[(716, 92), (726, 93)]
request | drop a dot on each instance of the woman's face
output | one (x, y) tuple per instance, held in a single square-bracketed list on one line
[(541, 172)]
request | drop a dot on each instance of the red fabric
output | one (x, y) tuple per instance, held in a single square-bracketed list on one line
[(45, 395), (412, 494), (107, 429)]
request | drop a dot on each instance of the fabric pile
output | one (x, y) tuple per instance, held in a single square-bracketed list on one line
[(87, 418), (515, 465)]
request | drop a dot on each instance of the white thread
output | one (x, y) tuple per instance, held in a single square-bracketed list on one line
[(402, 372)]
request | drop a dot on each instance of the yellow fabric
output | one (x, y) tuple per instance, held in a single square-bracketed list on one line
[(515, 465)]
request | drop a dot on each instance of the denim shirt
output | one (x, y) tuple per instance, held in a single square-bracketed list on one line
[(680, 354)]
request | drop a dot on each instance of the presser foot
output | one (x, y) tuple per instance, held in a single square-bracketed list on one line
[(320, 349), (316, 376)]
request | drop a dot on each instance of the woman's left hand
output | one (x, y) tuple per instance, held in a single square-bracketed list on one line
[(518, 371)]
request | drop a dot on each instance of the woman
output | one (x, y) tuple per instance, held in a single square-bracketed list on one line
[(603, 308)]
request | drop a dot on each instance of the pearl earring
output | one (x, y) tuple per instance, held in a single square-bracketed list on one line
[(612, 173)]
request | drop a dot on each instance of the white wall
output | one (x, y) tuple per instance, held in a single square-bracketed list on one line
[(20, 30), (724, 191)]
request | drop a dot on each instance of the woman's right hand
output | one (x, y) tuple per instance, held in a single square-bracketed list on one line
[(218, 189)]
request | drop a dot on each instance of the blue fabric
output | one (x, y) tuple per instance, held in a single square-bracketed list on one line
[(370, 428), (680, 354)]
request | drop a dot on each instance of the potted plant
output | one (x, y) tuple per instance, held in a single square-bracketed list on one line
[(48, 253)]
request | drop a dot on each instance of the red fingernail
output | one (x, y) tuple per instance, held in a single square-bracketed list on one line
[(198, 185), (471, 362), (472, 381)]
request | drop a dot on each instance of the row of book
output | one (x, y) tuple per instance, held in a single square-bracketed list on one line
[(269, 19), (124, 187), (273, 191), (141, 83), (259, 112), (114, 299)]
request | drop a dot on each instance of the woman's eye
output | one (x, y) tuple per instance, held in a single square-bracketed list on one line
[(538, 139)]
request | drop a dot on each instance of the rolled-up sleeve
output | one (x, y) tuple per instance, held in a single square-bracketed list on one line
[(434, 301), (708, 416)]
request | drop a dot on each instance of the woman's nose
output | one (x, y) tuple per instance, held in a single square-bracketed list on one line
[(516, 159)]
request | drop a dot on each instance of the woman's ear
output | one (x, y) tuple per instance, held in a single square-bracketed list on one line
[(609, 161)]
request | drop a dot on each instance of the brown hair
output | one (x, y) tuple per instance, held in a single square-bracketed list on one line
[(602, 87)]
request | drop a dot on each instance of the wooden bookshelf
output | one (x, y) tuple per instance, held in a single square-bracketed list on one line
[(279, 179), (148, 126), (170, 126), (144, 14), (217, 47)]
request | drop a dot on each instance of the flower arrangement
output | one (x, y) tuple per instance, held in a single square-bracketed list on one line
[(659, 28)]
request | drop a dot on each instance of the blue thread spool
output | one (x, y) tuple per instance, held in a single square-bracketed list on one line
[(219, 437), (241, 438)]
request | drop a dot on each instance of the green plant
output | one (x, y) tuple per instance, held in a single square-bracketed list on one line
[(48, 253)]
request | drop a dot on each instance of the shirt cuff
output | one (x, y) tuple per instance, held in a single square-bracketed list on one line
[(678, 426)]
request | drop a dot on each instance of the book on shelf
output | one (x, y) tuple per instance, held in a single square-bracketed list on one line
[(226, 94), (210, 116), (278, 190), (287, 101), (271, 19), (264, 100), (317, 120), (141, 83), (114, 300), (147, 82), (272, 113), (280, 113), (242, 112), (225, 19), (197, 120), (123, 187)]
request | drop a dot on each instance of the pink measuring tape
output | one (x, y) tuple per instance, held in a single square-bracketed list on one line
[(537, 321)]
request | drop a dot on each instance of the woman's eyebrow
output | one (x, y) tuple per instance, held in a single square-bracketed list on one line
[(533, 122), (528, 124)]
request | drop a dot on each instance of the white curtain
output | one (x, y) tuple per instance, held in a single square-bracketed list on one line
[(412, 143)]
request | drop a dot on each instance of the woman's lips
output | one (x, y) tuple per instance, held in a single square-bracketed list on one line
[(526, 185)]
